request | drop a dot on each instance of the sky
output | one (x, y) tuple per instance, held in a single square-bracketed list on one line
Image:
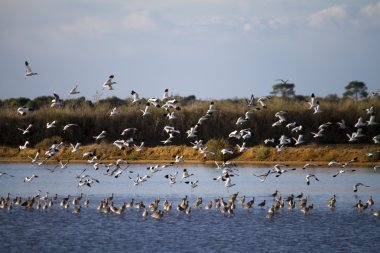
[(212, 49)]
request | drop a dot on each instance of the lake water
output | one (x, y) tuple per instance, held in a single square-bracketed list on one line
[(56, 229)]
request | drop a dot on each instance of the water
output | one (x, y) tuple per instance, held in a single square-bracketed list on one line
[(57, 230)]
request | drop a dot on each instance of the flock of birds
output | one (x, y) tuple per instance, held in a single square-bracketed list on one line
[(227, 168)]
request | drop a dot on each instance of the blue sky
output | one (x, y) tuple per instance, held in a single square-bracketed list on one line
[(207, 48)]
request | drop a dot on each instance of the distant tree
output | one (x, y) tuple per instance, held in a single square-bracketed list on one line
[(356, 90), (284, 88), (332, 98)]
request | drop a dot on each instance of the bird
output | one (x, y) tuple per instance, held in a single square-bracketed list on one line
[(28, 71), (109, 82), (35, 158), (193, 184), (186, 174), (308, 176), (136, 97), (23, 110), (5, 173), (51, 124), (359, 184), (67, 126), (146, 111), (74, 91), (102, 135), (26, 130), (22, 147), (30, 178), (114, 112), (140, 147), (262, 204), (75, 147), (56, 101)]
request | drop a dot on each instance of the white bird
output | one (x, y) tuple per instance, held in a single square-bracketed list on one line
[(76, 147), (376, 139), (371, 121), (171, 115), (299, 140), (312, 101), (193, 184), (192, 132), (226, 151), (178, 158), (35, 158), (342, 124), (61, 164), (318, 134), (353, 137), (131, 130), (269, 141), (359, 184), (242, 148), (360, 123), (102, 135), (154, 102), (308, 176), (227, 181), (23, 110), (172, 177), (51, 125), (284, 140), (369, 110), (146, 111), (28, 179), (166, 94), (24, 146), (140, 147), (108, 83), (68, 126), (114, 112), (186, 174), (281, 116), (241, 120), (74, 91), (56, 101), (136, 97), (204, 151), (262, 101), (26, 130), (211, 108), (235, 134), (317, 108), (341, 171), (28, 71), (197, 144)]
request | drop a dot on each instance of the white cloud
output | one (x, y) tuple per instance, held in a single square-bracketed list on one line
[(328, 16), (139, 21), (372, 10)]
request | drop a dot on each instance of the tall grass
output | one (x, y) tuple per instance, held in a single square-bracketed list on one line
[(93, 118)]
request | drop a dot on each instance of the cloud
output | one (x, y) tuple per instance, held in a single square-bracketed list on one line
[(328, 16), (139, 21), (371, 10)]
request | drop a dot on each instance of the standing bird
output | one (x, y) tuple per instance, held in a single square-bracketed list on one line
[(28, 71)]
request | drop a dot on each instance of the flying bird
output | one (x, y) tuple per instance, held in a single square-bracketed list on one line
[(28, 71)]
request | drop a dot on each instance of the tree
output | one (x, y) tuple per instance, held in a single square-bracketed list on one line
[(284, 88), (356, 90)]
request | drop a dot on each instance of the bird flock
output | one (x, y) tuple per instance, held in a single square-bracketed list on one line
[(171, 107)]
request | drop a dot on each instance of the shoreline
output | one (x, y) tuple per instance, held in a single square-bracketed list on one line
[(255, 156)]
